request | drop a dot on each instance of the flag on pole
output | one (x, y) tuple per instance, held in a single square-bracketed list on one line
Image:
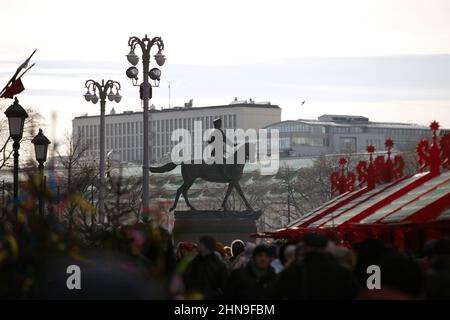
[(15, 85), (14, 88)]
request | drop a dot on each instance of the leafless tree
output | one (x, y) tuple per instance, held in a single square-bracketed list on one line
[(31, 125), (79, 175), (123, 197), (411, 161)]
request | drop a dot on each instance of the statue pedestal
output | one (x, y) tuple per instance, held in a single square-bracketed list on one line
[(224, 226)]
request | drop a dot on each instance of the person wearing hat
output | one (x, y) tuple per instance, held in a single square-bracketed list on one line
[(219, 131), (316, 274), (254, 281), (206, 274), (184, 250)]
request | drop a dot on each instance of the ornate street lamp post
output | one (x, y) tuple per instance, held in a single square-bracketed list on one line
[(92, 97), (16, 119), (146, 44), (40, 149)]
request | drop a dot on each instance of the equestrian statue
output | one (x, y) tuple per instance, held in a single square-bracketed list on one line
[(229, 171)]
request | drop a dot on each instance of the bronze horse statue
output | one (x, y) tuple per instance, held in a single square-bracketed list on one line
[(224, 173)]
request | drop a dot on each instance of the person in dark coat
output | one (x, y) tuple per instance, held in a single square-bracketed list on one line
[(438, 276), (255, 281), (237, 248), (369, 252), (316, 274), (206, 273)]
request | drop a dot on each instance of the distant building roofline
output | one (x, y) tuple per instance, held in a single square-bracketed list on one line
[(400, 125), (184, 109), (342, 116)]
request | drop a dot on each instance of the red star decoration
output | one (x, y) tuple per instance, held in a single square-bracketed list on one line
[(434, 125), (342, 161), (389, 143), (370, 149)]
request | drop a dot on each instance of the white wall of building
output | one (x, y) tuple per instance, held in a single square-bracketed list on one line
[(124, 131)]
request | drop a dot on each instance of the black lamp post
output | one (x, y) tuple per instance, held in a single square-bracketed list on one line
[(16, 119), (102, 88), (40, 149), (146, 44)]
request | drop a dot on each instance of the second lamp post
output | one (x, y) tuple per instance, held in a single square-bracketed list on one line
[(102, 95), (40, 148), (146, 44)]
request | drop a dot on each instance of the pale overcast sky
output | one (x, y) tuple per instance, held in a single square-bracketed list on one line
[(388, 60)]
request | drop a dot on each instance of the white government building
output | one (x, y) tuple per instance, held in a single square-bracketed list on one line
[(124, 131)]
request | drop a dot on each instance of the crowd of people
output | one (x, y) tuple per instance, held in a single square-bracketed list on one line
[(142, 262), (313, 268)]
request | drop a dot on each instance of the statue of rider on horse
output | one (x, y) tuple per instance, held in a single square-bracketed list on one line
[(228, 170)]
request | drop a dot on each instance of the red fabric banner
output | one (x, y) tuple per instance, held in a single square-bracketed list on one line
[(14, 88)]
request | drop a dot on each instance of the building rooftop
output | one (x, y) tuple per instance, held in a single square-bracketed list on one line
[(349, 120), (342, 118), (188, 108)]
